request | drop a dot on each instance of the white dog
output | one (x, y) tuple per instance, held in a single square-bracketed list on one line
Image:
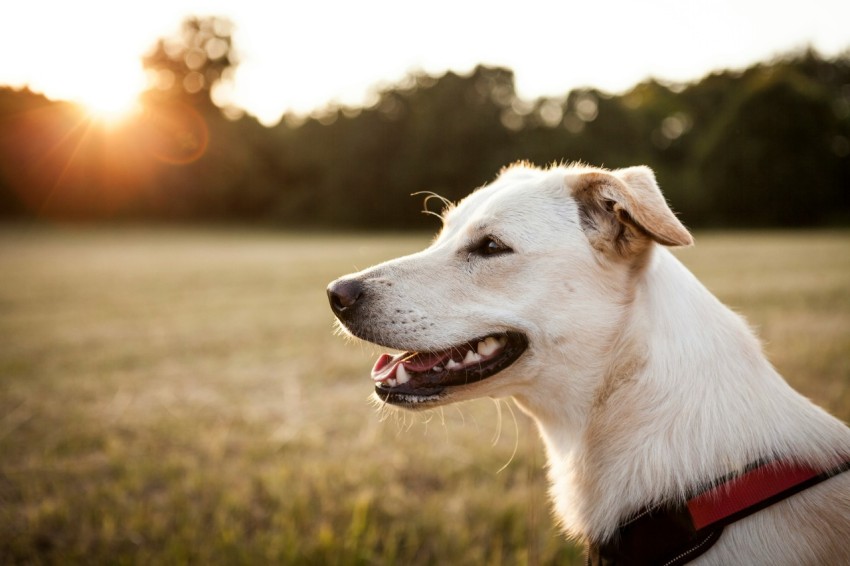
[(669, 435)]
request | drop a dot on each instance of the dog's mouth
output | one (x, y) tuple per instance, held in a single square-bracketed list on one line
[(413, 378)]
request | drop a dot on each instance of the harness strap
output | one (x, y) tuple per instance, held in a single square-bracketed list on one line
[(674, 534)]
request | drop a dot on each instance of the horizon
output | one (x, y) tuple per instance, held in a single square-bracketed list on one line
[(110, 113)]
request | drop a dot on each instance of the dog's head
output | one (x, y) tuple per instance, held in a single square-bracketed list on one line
[(529, 273)]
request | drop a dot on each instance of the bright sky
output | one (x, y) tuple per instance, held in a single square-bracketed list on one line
[(300, 55)]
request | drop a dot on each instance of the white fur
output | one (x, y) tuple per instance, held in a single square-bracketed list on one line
[(642, 383)]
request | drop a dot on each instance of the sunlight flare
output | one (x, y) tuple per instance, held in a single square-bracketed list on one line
[(110, 103)]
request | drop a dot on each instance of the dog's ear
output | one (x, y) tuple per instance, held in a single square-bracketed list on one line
[(623, 210)]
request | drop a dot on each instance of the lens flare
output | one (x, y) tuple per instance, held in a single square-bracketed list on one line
[(174, 133)]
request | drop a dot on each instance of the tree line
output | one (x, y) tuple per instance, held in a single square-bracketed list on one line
[(765, 146)]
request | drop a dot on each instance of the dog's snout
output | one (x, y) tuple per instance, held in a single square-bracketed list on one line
[(343, 294)]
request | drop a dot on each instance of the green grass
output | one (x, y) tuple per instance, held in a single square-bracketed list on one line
[(178, 396)]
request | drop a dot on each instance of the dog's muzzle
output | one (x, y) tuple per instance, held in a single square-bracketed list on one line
[(420, 378)]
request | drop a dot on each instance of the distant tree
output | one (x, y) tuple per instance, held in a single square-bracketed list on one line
[(769, 160), (224, 172), (764, 146), (190, 65), (25, 122)]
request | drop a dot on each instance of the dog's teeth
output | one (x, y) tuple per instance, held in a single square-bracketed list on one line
[(471, 358), (488, 346), (437, 368), (451, 364), (503, 341), (401, 375)]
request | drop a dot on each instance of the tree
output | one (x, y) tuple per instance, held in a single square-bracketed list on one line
[(190, 65), (767, 146), (769, 160)]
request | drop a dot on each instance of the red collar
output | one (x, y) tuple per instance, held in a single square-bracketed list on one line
[(758, 487), (675, 534)]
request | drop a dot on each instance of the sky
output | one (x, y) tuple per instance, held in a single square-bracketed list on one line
[(299, 56)]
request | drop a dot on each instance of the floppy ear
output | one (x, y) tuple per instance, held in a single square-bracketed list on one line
[(623, 210)]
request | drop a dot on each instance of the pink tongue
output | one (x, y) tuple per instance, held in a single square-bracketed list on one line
[(424, 362), (386, 365), (381, 363)]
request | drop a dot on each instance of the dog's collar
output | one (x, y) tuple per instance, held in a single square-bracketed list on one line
[(674, 534)]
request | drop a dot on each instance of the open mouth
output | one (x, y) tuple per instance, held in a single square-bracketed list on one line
[(412, 378)]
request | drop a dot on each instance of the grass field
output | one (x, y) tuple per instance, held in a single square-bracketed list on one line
[(178, 396)]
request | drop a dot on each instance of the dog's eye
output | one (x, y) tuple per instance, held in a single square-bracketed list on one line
[(489, 246)]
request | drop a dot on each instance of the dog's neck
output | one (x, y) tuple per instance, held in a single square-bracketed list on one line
[(684, 396)]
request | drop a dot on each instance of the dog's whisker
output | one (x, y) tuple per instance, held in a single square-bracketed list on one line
[(459, 411), (498, 434), (516, 439), (428, 416), (447, 204)]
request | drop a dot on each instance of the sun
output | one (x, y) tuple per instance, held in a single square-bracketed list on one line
[(110, 98), (110, 103)]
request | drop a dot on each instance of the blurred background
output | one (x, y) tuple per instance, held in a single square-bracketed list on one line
[(180, 180)]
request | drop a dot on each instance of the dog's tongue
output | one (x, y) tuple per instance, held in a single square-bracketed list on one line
[(386, 366)]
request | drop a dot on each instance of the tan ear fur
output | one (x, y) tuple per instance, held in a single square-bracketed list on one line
[(623, 210)]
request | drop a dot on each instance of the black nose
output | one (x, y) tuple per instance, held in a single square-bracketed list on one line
[(343, 295)]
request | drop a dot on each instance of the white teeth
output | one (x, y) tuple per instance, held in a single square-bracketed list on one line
[(488, 346), (401, 375), (471, 358), (437, 368), (451, 364), (503, 341), (392, 382)]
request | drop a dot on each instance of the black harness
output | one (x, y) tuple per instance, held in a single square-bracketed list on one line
[(673, 534)]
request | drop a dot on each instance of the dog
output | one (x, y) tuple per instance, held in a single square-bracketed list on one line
[(655, 401)]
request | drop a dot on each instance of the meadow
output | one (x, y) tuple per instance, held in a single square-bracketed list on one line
[(178, 396)]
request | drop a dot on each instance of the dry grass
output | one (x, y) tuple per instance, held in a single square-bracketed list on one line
[(178, 396)]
